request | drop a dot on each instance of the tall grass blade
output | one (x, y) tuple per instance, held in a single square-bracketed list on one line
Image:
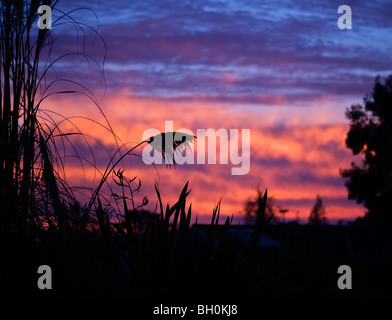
[(260, 222)]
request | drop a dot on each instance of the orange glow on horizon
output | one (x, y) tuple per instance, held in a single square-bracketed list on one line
[(294, 161)]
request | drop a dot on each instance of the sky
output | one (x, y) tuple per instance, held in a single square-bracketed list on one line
[(282, 69)]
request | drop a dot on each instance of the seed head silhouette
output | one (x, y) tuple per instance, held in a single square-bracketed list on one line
[(168, 143)]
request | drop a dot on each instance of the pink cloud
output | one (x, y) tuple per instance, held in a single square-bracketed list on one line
[(295, 162)]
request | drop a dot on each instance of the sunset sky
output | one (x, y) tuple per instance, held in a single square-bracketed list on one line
[(282, 69)]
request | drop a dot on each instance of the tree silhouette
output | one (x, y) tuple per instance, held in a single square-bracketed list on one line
[(317, 214), (251, 207), (370, 135)]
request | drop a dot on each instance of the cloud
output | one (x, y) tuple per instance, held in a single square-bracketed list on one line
[(254, 52), (295, 160), (283, 70)]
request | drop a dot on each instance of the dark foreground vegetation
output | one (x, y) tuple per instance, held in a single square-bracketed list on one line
[(163, 257)]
